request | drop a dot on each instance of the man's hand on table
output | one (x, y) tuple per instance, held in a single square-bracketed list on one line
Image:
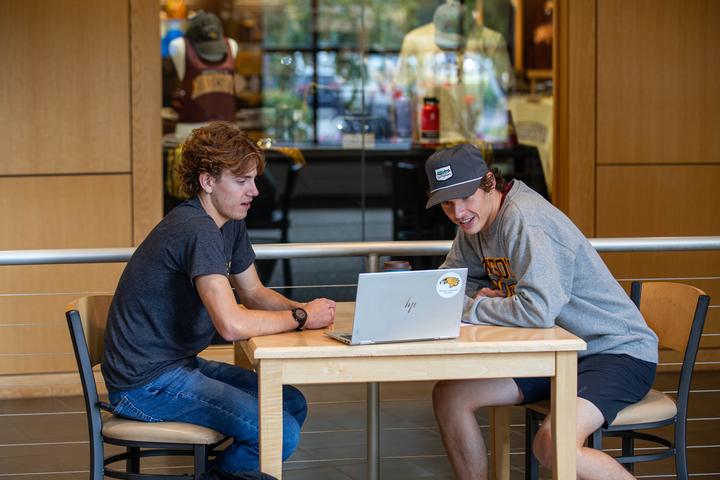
[(489, 292), (321, 313)]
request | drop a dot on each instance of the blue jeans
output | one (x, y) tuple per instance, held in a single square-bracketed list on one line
[(219, 396)]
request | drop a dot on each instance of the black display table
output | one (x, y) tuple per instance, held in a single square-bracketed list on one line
[(388, 176), (394, 178)]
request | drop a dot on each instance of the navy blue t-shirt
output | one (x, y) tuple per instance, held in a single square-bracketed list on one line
[(157, 320)]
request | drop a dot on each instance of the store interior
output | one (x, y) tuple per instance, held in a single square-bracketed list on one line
[(339, 93)]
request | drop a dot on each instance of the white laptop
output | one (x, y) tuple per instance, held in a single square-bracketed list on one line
[(406, 306)]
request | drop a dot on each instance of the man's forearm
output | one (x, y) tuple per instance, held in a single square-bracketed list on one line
[(267, 299)]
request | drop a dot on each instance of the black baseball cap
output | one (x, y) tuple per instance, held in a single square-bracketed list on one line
[(205, 32), (454, 173)]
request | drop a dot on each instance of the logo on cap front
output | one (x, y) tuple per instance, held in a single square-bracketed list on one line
[(443, 173)]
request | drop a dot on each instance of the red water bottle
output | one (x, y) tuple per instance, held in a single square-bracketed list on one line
[(430, 122)]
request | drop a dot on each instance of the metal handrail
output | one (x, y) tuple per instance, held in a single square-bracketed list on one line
[(348, 249)]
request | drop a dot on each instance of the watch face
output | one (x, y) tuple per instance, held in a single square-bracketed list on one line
[(300, 317)]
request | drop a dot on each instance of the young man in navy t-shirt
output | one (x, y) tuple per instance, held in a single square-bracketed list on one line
[(176, 292)]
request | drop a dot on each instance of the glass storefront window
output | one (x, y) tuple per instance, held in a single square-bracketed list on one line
[(285, 24), (286, 86), (343, 85)]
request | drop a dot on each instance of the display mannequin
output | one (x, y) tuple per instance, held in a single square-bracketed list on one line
[(463, 64), (204, 61)]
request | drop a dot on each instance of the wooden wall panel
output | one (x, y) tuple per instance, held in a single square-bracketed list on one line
[(662, 200), (64, 281), (657, 71), (695, 268), (33, 364), (65, 212), (34, 335), (64, 90), (82, 211), (63, 384), (659, 200), (82, 167), (574, 73), (146, 86)]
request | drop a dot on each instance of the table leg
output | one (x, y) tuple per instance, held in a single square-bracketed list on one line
[(373, 431), (241, 359), (271, 426), (563, 410), (500, 433)]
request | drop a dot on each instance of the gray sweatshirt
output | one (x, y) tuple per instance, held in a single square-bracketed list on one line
[(552, 275)]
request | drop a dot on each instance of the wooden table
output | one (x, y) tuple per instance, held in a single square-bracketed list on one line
[(309, 357)]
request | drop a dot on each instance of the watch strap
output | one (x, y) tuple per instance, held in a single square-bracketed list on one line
[(300, 316)]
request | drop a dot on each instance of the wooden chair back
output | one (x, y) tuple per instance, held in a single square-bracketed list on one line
[(669, 309), (93, 311)]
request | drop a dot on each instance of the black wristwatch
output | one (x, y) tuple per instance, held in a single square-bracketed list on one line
[(300, 317)]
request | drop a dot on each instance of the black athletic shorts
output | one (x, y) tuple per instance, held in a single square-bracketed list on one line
[(611, 382)]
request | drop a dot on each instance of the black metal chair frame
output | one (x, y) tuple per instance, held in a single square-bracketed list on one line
[(134, 450), (628, 433)]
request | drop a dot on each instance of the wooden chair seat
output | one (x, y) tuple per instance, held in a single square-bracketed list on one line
[(654, 407), (119, 428)]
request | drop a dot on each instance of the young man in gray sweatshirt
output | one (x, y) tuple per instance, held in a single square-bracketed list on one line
[(530, 266)]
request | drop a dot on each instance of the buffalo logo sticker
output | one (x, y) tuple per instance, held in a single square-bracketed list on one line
[(449, 285)]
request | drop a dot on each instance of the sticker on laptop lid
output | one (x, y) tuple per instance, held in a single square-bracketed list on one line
[(449, 285)]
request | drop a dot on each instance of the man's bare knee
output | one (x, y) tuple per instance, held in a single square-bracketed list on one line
[(444, 394), (466, 396), (440, 388), (439, 391), (543, 447)]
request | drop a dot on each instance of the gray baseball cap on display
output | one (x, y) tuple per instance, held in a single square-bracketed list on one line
[(454, 173), (451, 25), (205, 32)]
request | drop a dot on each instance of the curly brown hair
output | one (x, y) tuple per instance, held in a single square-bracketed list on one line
[(500, 183), (214, 148)]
